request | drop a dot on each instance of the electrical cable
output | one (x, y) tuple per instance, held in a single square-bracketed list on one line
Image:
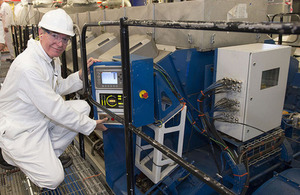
[(215, 159), (209, 125), (212, 150), (192, 131), (246, 161), (183, 178), (226, 105), (243, 124), (218, 87), (286, 123), (168, 79), (246, 185), (205, 133), (191, 106), (222, 162)]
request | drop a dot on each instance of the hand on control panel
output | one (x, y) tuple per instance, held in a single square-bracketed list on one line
[(99, 124)]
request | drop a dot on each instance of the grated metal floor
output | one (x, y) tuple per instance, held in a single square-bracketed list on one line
[(80, 179)]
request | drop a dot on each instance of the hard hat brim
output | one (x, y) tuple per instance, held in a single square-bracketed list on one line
[(53, 29)]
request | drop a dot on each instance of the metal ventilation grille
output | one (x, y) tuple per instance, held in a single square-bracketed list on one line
[(80, 178)]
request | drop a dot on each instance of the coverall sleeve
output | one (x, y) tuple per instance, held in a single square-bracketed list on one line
[(69, 85), (5, 18), (34, 88)]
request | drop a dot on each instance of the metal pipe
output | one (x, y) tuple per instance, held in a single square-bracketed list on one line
[(285, 14), (17, 40), (32, 31), (29, 186), (74, 54), (20, 36), (125, 59), (37, 30), (26, 36), (64, 69), (85, 71), (84, 58), (265, 172), (83, 50), (75, 69), (280, 34), (110, 113), (64, 65), (262, 27), (81, 145), (13, 35)]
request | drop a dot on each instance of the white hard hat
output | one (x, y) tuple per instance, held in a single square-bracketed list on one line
[(57, 21)]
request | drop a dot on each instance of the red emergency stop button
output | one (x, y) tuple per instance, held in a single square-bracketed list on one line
[(144, 94)]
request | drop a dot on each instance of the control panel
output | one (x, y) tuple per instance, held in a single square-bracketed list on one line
[(111, 100), (107, 83), (107, 90), (108, 77)]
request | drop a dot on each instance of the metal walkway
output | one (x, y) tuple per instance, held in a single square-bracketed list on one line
[(80, 178)]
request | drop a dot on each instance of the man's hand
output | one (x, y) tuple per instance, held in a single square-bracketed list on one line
[(99, 124), (89, 63), (6, 29)]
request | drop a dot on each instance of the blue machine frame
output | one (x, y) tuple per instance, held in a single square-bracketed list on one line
[(185, 67)]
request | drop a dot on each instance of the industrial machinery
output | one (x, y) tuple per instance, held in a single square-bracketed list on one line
[(228, 158), (196, 106), (212, 108), (107, 88)]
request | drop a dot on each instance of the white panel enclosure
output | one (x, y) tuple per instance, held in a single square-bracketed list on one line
[(263, 71)]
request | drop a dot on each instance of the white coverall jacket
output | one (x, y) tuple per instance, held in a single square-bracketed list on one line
[(36, 124), (8, 21), (1, 32)]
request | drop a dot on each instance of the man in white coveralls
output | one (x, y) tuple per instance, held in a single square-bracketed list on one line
[(36, 123)]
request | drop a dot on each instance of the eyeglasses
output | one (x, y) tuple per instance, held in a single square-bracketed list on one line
[(56, 37)]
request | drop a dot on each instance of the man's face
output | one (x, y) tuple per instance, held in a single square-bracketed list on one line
[(53, 43)]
